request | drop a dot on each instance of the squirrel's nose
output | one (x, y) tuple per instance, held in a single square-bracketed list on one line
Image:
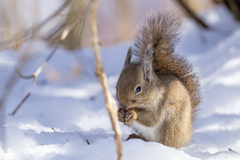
[(125, 109)]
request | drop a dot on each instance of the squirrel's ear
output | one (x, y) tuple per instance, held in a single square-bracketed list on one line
[(128, 57), (147, 64)]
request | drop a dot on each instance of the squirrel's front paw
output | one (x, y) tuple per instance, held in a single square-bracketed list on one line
[(126, 116)]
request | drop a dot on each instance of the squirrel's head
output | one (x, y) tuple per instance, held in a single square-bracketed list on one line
[(136, 86)]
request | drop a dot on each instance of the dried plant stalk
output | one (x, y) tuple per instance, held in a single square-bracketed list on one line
[(74, 23), (20, 104), (109, 100), (39, 70), (192, 14), (234, 7), (6, 91)]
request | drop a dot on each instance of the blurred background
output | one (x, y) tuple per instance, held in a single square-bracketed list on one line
[(117, 20), (51, 101)]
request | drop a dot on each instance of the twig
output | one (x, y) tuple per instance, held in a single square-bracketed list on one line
[(199, 21), (234, 7), (231, 150), (87, 142), (5, 93), (39, 70), (109, 100), (53, 129), (34, 76), (64, 34), (193, 15), (20, 104), (13, 78)]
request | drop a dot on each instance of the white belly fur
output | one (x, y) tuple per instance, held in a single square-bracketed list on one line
[(147, 132)]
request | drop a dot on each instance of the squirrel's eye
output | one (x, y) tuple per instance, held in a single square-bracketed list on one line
[(138, 89)]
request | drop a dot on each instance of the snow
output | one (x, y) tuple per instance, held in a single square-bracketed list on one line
[(58, 118)]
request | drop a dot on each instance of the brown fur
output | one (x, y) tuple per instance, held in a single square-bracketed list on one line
[(163, 110)]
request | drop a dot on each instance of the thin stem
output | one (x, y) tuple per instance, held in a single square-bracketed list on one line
[(20, 104), (192, 14), (40, 68), (109, 100)]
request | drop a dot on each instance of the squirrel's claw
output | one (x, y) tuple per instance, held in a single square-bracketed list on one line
[(126, 116)]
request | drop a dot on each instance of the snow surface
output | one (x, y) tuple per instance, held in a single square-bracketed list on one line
[(56, 120)]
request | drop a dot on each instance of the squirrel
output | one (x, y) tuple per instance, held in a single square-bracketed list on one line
[(158, 92)]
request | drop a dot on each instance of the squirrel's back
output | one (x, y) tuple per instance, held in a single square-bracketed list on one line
[(162, 31)]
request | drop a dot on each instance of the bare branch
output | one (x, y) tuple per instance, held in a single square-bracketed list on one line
[(193, 15), (64, 34), (5, 93), (199, 21), (20, 104), (53, 129), (22, 76), (87, 142), (39, 70), (109, 100), (234, 7), (231, 150)]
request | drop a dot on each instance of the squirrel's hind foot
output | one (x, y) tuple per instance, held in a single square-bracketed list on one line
[(135, 136)]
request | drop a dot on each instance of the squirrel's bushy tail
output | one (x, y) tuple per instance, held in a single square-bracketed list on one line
[(162, 31)]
